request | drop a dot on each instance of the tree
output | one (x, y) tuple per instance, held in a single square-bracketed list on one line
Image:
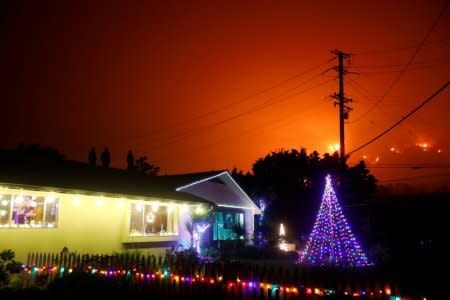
[(331, 241), (37, 152), (291, 181), (143, 167)]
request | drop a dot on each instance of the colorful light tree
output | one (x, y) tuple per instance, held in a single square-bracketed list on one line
[(331, 241)]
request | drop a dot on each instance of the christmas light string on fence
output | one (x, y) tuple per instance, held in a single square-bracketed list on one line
[(245, 286)]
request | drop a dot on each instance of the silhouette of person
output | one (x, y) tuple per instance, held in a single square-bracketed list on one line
[(130, 160), (106, 158), (92, 157)]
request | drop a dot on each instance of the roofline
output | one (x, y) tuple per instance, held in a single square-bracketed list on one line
[(253, 206), (235, 206), (199, 181), (80, 192)]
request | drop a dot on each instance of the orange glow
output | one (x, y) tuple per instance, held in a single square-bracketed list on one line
[(199, 87), (424, 146), (334, 147)]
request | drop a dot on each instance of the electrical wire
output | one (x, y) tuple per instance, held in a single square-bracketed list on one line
[(362, 91), (408, 166), (264, 105), (402, 71), (418, 67), (257, 130), (424, 63), (227, 106), (396, 49), (403, 118), (431, 176)]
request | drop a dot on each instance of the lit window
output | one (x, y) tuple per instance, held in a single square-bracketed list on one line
[(150, 219), (28, 211), (5, 210)]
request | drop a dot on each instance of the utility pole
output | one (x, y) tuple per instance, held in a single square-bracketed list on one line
[(342, 100)]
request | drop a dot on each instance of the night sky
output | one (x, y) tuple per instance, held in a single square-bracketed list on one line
[(203, 85)]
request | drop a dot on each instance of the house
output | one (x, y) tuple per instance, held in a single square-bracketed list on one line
[(44, 208)]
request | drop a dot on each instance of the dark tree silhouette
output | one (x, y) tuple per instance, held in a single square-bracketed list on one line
[(33, 155), (106, 158), (39, 152), (292, 183), (92, 157), (130, 160), (143, 167)]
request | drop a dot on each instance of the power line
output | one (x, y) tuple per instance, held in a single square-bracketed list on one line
[(408, 166), (423, 63), (418, 67), (282, 122), (364, 91), (371, 122), (431, 176), (233, 103), (402, 72), (394, 49), (403, 118), (241, 114)]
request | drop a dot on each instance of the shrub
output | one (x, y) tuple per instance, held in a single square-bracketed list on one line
[(8, 265)]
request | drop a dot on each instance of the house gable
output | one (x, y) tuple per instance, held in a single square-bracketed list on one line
[(222, 190)]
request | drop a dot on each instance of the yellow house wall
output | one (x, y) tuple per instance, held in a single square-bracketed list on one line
[(84, 228)]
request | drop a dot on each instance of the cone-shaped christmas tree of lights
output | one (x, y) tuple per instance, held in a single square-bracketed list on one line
[(331, 241)]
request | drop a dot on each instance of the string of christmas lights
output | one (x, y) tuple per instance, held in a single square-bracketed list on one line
[(332, 241), (244, 285)]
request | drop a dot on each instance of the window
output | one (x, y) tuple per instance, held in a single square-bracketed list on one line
[(153, 219), (25, 211), (228, 226), (5, 209)]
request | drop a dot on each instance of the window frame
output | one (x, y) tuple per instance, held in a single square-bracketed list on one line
[(11, 224), (173, 235)]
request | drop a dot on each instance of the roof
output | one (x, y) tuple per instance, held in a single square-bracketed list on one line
[(222, 190), (71, 176), (76, 177)]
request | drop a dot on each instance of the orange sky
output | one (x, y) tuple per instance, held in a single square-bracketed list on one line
[(201, 85)]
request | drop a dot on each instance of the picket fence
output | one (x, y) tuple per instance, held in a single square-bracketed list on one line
[(181, 277)]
